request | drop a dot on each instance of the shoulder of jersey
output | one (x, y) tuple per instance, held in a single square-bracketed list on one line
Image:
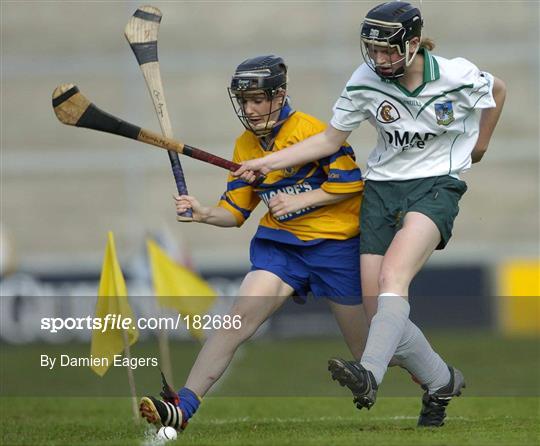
[(363, 75), (300, 126), (246, 137), (303, 118), (458, 69)]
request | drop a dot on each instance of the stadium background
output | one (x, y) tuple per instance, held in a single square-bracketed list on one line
[(64, 188)]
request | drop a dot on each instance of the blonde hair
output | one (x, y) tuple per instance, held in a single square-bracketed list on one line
[(427, 43)]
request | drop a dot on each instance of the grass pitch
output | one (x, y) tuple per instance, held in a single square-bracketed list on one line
[(273, 421), (276, 392)]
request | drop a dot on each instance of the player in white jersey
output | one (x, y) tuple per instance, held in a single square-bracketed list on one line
[(434, 117), (430, 131)]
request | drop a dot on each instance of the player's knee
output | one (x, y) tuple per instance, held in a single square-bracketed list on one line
[(392, 279), (247, 324)]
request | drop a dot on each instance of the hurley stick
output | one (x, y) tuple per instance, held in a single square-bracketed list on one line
[(72, 108), (142, 33)]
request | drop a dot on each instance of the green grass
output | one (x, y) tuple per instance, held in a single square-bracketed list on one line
[(273, 421), (276, 392), (291, 367)]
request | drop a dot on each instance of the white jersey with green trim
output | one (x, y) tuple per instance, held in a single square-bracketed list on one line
[(428, 132)]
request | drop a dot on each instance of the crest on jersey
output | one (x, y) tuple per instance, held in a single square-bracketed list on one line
[(288, 172), (444, 113), (387, 113)]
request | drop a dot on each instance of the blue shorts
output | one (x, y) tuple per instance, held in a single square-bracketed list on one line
[(328, 269)]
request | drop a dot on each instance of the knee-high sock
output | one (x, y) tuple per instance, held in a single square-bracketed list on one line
[(385, 333), (415, 354)]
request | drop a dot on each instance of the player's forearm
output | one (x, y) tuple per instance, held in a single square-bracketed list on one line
[(216, 216), (316, 147), (488, 121), (319, 197)]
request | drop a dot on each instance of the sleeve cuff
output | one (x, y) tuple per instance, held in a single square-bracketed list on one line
[(342, 188), (343, 128), (236, 213)]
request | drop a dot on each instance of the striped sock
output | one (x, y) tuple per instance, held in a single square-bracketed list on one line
[(173, 417)]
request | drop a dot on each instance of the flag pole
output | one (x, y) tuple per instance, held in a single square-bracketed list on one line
[(165, 352), (131, 378)]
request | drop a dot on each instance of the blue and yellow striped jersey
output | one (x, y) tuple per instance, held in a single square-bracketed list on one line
[(337, 174)]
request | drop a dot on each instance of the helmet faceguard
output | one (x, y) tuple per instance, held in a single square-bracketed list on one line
[(260, 76), (389, 26)]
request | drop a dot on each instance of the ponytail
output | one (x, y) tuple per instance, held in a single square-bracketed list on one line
[(427, 43)]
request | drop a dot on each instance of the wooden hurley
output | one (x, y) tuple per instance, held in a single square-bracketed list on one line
[(72, 108), (142, 33)]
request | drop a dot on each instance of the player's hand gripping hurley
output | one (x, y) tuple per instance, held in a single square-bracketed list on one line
[(72, 108), (142, 32)]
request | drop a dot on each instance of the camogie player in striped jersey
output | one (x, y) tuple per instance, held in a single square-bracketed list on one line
[(434, 118), (306, 242)]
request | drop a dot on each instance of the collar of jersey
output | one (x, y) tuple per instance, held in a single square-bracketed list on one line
[(285, 113), (431, 73)]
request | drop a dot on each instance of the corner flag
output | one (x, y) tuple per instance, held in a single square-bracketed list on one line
[(179, 288), (112, 300)]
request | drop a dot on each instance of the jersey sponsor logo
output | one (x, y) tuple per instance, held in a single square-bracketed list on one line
[(296, 189), (387, 113), (409, 140), (444, 113)]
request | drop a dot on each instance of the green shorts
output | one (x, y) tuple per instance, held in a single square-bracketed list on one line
[(386, 203)]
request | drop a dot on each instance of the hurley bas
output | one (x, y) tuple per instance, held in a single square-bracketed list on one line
[(96, 361)]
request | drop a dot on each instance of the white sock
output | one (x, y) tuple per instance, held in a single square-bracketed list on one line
[(385, 333), (415, 354)]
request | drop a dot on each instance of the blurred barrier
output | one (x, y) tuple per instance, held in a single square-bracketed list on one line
[(443, 297)]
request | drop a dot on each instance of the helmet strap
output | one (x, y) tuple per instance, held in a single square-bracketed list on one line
[(408, 56)]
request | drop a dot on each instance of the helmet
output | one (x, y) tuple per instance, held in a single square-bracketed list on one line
[(262, 74), (391, 25)]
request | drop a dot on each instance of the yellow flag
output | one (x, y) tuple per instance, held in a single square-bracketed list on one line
[(179, 288), (112, 300)]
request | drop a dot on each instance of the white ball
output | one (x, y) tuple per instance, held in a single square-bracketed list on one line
[(167, 433)]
